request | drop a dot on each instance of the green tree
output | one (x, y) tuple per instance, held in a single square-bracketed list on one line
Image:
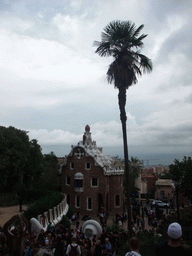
[(121, 40), (51, 176), (165, 176), (14, 152), (20, 159), (135, 170), (34, 168), (181, 173)]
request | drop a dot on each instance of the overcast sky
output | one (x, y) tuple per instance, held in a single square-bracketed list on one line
[(52, 83)]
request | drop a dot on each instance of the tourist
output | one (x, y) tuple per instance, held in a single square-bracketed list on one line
[(101, 216), (59, 246), (134, 246), (142, 224), (30, 248), (73, 218), (138, 221), (120, 224), (77, 224), (108, 246), (97, 248), (73, 249), (172, 246), (41, 238)]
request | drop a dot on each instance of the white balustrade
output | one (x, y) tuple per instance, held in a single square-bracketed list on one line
[(54, 215)]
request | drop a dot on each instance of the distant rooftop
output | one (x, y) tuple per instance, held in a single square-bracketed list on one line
[(164, 182)]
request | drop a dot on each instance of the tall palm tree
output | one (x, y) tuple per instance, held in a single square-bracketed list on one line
[(135, 165), (135, 170), (121, 40)]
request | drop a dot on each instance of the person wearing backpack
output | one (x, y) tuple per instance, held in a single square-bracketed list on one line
[(73, 249)]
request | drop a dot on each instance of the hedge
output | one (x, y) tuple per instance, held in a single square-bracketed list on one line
[(43, 204)]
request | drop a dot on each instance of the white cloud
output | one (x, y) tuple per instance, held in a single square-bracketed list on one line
[(41, 59), (54, 137), (66, 24), (16, 24)]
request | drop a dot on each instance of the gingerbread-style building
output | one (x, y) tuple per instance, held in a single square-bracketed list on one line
[(92, 180)]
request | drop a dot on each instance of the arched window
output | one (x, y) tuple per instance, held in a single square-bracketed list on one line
[(79, 182), (94, 182), (87, 166), (71, 165), (117, 200), (89, 203), (77, 201), (68, 180)]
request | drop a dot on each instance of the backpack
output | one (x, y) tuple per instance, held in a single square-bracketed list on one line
[(73, 251)]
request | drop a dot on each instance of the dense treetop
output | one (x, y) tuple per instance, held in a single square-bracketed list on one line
[(22, 161)]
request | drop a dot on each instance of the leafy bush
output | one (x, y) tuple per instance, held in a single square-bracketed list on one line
[(148, 243), (28, 196), (122, 247), (113, 228), (65, 221), (35, 194), (70, 212), (43, 204)]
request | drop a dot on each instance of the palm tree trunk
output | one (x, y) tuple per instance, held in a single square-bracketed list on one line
[(122, 102)]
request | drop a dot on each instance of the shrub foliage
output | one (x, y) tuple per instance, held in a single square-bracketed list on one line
[(43, 204)]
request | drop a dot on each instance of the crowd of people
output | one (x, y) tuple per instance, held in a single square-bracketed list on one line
[(148, 215), (60, 241)]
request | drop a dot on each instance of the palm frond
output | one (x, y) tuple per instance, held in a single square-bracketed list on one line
[(137, 31), (121, 40), (103, 49), (145, 64), (142, 37), (137, 70)]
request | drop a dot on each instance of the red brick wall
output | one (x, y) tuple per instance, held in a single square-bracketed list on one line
[(110, 185), (116, 188)]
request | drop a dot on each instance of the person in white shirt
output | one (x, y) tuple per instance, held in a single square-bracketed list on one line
[(73, 249), (134, 246)]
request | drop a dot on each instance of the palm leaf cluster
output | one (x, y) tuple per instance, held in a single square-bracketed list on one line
[(121, 40)]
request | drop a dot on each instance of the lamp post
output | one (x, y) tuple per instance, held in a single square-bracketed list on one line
[(166, 206), (176, 183)]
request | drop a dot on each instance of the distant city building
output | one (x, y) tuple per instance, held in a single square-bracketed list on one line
[(91, 180), (155, 169), (164, 189)]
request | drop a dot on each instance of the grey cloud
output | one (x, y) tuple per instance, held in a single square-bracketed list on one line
[(160, 9), (189, 99), (180, 135)]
